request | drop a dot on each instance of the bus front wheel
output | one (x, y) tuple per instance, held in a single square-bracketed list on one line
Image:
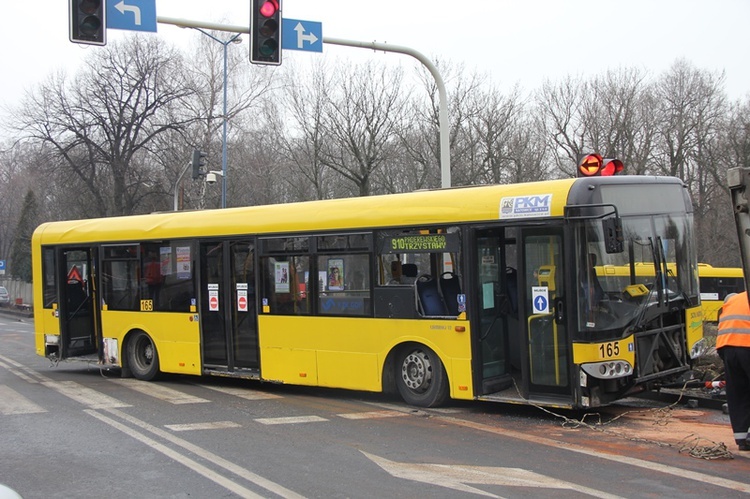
[(420, 377), (143, 360)]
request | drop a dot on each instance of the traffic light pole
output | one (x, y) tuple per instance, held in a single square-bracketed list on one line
[(445, 160), (177, 185)]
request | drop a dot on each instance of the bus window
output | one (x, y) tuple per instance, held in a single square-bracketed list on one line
[(284, 286), (344, 284), (49, 276), (427, 263)]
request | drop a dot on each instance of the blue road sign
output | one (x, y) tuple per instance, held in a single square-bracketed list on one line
[(540, 304), (301, 35), (133, 15), (2, 264)]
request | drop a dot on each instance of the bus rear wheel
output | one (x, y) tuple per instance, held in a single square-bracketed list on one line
[(143, 360), (420, 377)]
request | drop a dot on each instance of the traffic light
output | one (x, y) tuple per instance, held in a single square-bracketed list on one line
[(593, 165), (88, 22), (199, 161), (265, 32)]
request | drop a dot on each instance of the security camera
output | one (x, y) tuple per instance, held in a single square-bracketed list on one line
[(210, 178)]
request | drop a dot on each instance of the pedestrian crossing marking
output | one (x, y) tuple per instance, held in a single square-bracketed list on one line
[(290, 420), (15, 403), (244, 393), (83, 395), (373, 415), (216, 425), (158, 391)]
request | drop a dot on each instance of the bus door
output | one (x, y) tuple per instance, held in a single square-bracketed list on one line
[(496, 309), (76, 308), (228, 314), (546, 366)]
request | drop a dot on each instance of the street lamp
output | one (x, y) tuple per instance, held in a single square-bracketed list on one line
[(234, 39)]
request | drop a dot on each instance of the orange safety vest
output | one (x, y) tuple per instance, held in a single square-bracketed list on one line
[(734, 323)]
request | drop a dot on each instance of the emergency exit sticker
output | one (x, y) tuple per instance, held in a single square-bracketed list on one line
[(213, 297), (241, 297)]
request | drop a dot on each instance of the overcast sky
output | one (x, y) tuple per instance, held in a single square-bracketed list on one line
[(522, 41)]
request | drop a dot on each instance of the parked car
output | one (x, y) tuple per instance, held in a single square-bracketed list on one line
[(4, 297)]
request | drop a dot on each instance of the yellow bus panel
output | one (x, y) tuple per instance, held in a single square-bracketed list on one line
[(175, 335), (351, 353)]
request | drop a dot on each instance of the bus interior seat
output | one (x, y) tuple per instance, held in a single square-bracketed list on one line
[(450, 288), (429, 301), (409, 273)]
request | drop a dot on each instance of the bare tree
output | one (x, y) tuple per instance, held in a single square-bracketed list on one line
[(246, 87), (300, 132), (361, 118), (101, 125), (691, 106), (420, 138), (561, 108)]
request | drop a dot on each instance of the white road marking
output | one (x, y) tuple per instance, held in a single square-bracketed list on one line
[(83, 395), (373, 415), (291, 420), (245, 393), (457, 476), (17, 372), (15, 403), (209, 456), (180, 458), (640, 463), (217, 425), (157, 391)]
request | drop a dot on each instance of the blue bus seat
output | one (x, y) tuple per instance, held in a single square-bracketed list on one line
[(428, 296), (450, 288)]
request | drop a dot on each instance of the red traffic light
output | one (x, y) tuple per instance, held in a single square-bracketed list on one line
[(611, 166), (269, 8), (265, 32), (593, 165)]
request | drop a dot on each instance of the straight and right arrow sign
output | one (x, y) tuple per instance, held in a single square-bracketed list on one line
[(302, 35)]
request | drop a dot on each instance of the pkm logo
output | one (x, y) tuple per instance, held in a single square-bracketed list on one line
[(533, 203), (539, 205)]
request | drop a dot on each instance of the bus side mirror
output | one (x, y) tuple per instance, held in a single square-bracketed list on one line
[(613, 241)]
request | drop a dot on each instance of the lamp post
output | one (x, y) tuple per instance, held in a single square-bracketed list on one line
[(234, 39)]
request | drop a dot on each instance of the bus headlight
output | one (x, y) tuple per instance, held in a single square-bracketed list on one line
[(608, 370), (699, 348), (51, 339)]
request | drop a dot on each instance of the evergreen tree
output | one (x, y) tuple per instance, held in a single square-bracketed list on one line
[(20, 256)]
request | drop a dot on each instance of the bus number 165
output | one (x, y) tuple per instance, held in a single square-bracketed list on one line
[(607, 350)]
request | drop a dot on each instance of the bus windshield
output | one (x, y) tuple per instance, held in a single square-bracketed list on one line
[(655, 271)]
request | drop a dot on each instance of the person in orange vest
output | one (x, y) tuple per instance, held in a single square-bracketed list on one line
[(733, 345)]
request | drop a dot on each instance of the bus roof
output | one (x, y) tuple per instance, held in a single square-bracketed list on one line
[(442, 206)]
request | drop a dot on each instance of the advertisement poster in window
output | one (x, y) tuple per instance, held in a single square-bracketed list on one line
[(183, 262), (165, 257), (335, 274), (281, 277)]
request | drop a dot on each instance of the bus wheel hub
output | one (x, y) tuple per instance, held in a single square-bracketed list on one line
[(416, 371)]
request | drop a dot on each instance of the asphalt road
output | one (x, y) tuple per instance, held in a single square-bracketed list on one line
[(75, 431)]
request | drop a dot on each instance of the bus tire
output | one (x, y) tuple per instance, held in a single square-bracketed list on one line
[(143, 359), (420, 376)]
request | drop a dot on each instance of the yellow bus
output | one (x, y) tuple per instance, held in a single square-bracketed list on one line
[(476, 293), (715, 283)]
